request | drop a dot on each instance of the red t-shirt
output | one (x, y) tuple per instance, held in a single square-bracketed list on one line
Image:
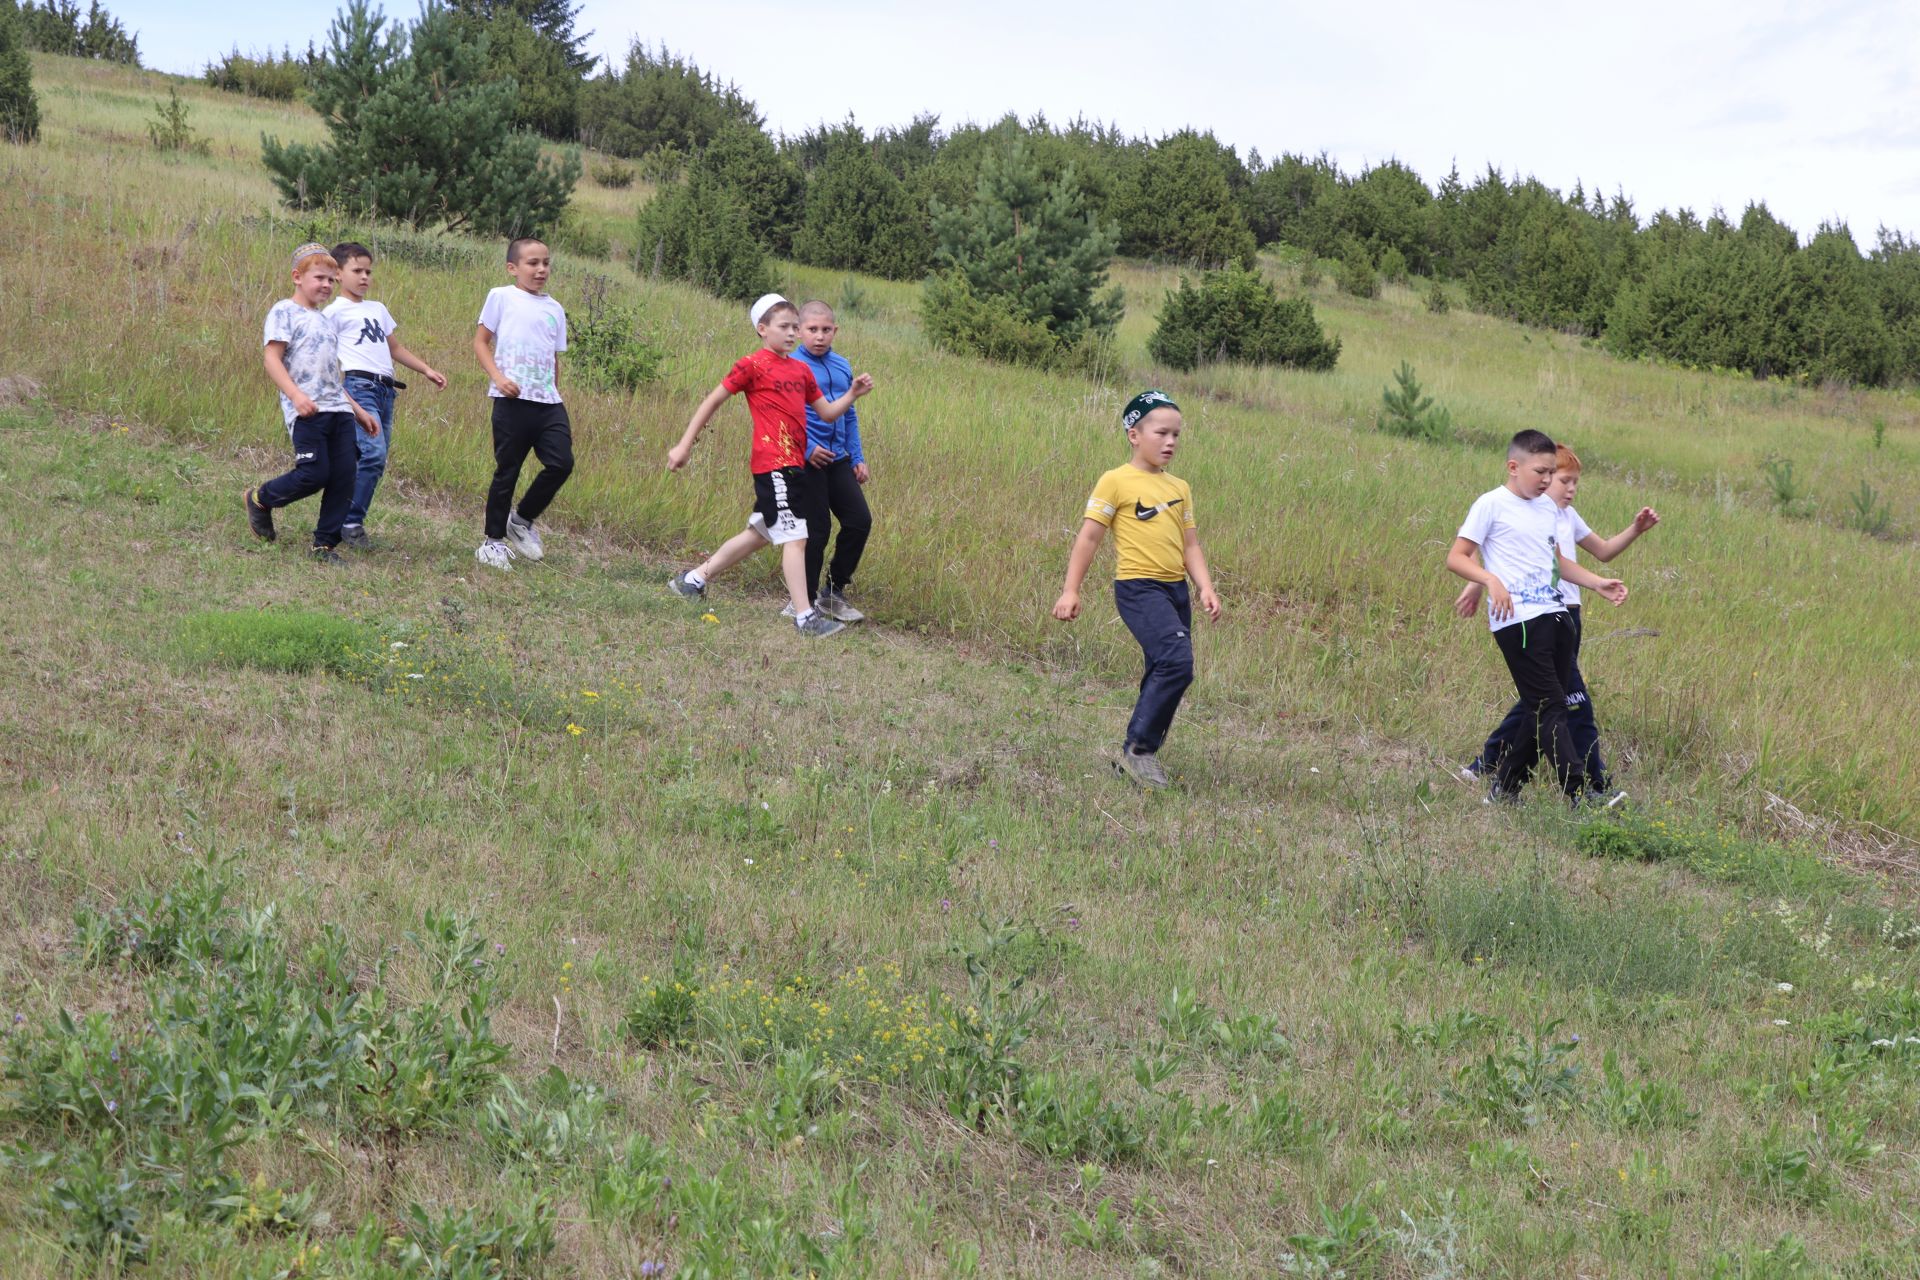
[(779, 389)]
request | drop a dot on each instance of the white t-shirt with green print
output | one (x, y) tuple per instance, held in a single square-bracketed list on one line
[(528, 329)]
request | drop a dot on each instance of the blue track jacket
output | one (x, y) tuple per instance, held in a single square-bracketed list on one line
[(834, 375)]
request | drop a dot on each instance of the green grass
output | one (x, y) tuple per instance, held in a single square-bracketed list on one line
[(1316, 1003)]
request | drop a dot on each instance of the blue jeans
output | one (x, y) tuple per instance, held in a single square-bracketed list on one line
[(1160, 616), (378, 401)]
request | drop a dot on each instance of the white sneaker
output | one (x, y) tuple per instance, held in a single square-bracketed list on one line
[(495, 555), (786, 610), (835, 605), (1618, 797), (522, 537)]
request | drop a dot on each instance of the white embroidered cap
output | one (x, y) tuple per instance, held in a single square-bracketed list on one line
[(759, 309)]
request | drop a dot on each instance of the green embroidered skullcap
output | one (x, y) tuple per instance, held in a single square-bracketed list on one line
[(1142, 405)]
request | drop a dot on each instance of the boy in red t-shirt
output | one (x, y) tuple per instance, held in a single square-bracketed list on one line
[(778, 389)]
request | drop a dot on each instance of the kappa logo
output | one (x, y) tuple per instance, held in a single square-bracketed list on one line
[(370, 331), (1142, 511)]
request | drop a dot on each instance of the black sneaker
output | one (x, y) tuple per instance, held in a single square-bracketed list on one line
[(326, 556), (355, 537), (259, 518)]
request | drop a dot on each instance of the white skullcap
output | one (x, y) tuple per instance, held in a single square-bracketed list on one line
[(759, 309)]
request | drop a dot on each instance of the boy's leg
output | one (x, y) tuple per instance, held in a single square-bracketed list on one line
[(1556, 731), (731, 553), (793, 568), (1501, 739), (1585, 731), (311, 466), (1160, 616), (372, 450), (847, 499), (552, 439), (513, 435), (1532, 650), (343, 466), (813, 503)]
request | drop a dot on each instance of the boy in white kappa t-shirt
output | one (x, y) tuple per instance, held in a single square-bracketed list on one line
[(368, 353), (521, 333), (1515, 532)]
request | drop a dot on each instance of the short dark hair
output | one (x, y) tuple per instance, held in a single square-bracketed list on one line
[(1528, 442), (815, 304), (518, 242), (347, 250)]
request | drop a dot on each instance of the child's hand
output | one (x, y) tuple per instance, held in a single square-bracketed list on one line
[(860, 473), (1467, 603), (821, 456), (677, 456), (1211, 603), (368, 423), (437, 378), (1647, 518), (862, 385), (303, 405), (1499, 603), (1614, 590), (508, 387), (1067, 607)]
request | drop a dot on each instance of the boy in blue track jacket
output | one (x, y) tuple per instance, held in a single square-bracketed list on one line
[(833, 450)]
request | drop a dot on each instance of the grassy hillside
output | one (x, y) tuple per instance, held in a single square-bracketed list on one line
[(862, 967)]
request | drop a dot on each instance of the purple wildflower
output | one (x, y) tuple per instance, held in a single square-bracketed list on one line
[(946, 904), (113, 1055), (19, 1018), (113, 1105), (499, 948)]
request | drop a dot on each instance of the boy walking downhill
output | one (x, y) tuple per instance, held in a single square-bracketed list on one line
[(1514, 531), (834, 452), (1572, 532), (1157, 548), (302, 353), (368, 353), (778, 389), (521, 334)]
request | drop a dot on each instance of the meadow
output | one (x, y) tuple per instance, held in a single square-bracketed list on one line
[(415, 922)]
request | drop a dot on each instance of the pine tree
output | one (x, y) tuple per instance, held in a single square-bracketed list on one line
[(19, 107), (696, 231), (659, 100), (1178, 203), (859, 217), (1406, 410), (766, 185), (1033, 244), (1236, 314), (417, 132)]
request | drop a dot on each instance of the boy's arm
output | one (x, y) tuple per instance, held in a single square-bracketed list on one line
[(1196, 561), (677, 456), (1612, 588), (483, 347), (1605, 549), (274, 356), (1461, 561), (830, 410), (1085, 543), (406, 359)]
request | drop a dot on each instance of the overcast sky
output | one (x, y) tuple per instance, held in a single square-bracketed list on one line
[(1810, 107)]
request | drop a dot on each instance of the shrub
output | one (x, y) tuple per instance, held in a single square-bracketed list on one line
[(169, 130), (604, 344), (19, 106), (1236, 314), (278, 79), (1176, 202), (1437, 301), (1311, 276), (860, 217), (616, 175), (55, 26), (697, 232), (418, 132), (1393, 265), (1791, 498), (1867, 513), (767, 186), (1357, 275), (1405, 410), (958, 319), (659, 100)]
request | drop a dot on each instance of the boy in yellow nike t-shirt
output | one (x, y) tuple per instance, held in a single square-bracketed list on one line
[(1157, 549)]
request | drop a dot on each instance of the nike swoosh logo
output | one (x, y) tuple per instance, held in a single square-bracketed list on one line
[(1142, 511)]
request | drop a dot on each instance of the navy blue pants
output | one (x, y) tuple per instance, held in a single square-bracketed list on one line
[(1539, 654), (837, 494), (1161, 618), (325, 461), (1580, 723)]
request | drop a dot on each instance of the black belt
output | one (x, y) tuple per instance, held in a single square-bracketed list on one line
[(380, 378)]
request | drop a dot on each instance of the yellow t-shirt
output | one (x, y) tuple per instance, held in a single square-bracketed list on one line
[(1149, 513)]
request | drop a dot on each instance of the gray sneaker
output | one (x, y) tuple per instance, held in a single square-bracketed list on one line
[(787, 610), (1142, 768), (355, 536), (818, 624), (835, 605), (495, 555), (522, 538), (679, 585)]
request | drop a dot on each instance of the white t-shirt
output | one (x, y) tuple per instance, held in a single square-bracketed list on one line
[(313, 356), (365, 327), (1569, 528), (529, 329), (1517, 545)]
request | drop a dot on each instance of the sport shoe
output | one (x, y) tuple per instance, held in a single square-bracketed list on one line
[(679, 585), (355, 536), (835, 605), (522, 538), (495, 555), (326, 556), (259, 518), (1616, 799), (1142, 767), (787, 610), (1470, 772), (818, 624)]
